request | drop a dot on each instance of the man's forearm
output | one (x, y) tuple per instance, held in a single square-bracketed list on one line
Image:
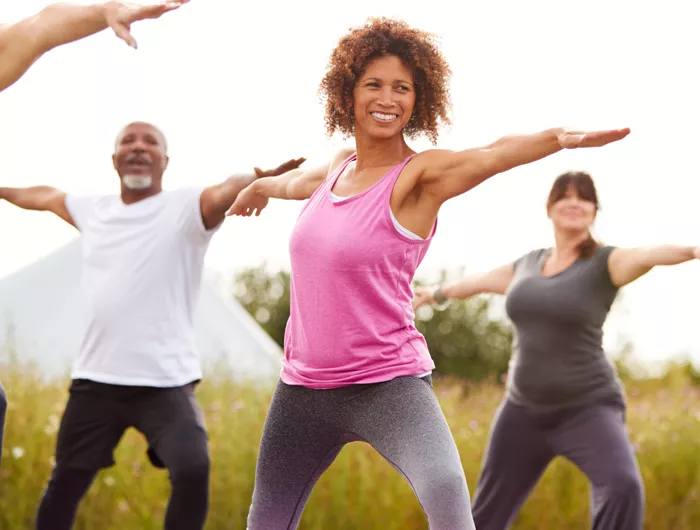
[(231, 187), (216, 200), (34, 198)]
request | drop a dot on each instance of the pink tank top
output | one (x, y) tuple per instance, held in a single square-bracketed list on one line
[(351, 319)]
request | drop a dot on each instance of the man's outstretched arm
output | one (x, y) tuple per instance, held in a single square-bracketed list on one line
[(40, 199), (21, 44)]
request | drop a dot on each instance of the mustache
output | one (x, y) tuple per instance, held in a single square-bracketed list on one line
[(139, 157)]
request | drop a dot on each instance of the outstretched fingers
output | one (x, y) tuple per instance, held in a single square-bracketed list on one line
[(291, 164), (156, 10), (600, 138), (123, 31), (281, 169), (579, 139)]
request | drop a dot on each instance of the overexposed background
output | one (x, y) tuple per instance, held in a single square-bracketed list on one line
[(234, 85)]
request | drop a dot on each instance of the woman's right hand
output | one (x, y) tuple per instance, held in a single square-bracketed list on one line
[(251, 200), (422, 296)]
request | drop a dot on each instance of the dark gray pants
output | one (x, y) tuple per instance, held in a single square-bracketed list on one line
[(3, 410), (521, 446), (306, 429), (96, 417)]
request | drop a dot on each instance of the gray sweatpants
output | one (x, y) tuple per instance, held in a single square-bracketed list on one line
[(521, 446), (306, 429)]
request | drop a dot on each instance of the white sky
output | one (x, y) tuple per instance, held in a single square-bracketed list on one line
[(233, 85)]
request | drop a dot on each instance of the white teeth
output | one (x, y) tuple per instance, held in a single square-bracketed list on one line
[(385, 117)]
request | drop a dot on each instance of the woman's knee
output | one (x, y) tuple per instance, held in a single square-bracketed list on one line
[(625, 484), (446, 482)]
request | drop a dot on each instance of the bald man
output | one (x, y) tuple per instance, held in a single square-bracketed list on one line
[(23, 43), (143, 253)]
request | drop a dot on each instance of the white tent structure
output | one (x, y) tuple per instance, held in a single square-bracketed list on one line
[(40, 320)]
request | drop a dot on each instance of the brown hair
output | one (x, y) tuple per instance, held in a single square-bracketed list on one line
[(584, 186), (380, 37)]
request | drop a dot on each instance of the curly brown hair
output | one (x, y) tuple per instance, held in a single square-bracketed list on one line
[(380, 37)]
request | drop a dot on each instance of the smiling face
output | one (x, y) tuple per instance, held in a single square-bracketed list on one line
[(573, 203), (384, 98), (140, 157)]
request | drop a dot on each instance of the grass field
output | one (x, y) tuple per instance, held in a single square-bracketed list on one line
[(360, 490)]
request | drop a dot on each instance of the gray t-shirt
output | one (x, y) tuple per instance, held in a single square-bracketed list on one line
[(558, 359)]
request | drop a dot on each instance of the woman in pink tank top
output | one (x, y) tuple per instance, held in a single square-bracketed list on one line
[(355, 367)]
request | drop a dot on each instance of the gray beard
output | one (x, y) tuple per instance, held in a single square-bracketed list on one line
[(137, 182)]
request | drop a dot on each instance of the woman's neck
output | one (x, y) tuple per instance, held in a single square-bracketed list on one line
[(566, 245), (373, 152)]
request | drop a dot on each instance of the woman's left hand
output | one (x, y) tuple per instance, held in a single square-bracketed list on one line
[(578, 139)]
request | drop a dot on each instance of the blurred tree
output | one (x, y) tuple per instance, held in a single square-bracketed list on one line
[(265, 296), (466, 340)]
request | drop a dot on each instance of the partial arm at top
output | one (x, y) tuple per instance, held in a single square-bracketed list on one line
[(23, 43)]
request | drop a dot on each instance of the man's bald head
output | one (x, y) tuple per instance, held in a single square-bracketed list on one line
[(140, 158), (141, 128)]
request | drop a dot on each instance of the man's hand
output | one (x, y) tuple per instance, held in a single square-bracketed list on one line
[(120, 16), (281, 169)]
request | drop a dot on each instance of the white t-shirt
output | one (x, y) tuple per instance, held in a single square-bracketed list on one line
[(141, 273)]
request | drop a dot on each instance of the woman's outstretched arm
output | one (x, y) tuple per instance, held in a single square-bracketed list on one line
[(445, 174)]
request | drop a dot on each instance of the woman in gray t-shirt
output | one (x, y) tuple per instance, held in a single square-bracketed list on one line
[(563, 397)]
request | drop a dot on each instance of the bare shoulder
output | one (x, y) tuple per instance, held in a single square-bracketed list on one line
[(340, 156), (419, 163), (430, 159), (430, 156)]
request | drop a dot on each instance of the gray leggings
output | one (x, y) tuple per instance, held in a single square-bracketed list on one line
[(522, 445), (306, 429)]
